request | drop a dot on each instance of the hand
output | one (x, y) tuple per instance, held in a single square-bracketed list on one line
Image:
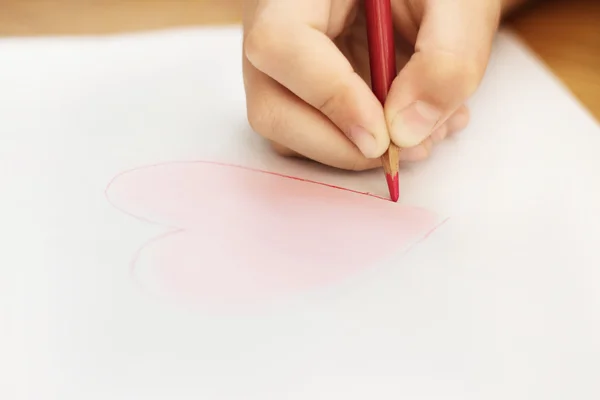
[(306, 74)]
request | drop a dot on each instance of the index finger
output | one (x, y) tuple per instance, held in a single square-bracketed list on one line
[(288, 41)]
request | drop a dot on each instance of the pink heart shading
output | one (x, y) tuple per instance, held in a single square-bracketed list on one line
[(243, 235)]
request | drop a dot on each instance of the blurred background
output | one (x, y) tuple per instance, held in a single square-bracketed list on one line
[(564, 33)]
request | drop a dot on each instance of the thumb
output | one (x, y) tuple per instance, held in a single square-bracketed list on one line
[(451, 54)]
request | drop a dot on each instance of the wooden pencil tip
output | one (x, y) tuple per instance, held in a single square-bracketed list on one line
[(393, 185)]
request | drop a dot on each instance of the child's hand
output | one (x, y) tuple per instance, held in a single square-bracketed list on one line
[(306, 68)]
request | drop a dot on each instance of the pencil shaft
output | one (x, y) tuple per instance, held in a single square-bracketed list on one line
[(382, 59), (382, 56)]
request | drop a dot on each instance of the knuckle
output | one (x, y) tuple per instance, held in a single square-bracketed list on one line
[(261, 42), (337, 98), (329, 104), (470, 76), (456, 74), (465, 74)]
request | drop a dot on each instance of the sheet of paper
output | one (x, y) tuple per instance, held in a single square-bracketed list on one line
[(155, 248)]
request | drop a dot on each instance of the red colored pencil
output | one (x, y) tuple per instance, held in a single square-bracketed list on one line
[(382, 57)]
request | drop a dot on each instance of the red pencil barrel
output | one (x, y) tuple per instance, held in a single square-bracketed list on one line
[(382, 55)]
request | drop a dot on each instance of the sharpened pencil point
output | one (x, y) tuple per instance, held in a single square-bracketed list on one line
[(393, 186)]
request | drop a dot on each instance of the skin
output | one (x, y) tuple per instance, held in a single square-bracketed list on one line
[(306, 76)]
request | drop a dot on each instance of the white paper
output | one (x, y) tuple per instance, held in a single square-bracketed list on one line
[(501, 302)]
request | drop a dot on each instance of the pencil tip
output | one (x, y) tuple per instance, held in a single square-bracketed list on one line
[(393, 186)]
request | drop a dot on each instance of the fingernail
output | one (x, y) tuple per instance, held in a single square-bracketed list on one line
[(413, 124), (364, 140)]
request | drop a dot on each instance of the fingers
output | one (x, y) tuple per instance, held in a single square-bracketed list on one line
[(295, 127), (454, 124), (458, 121), (451, 54), (284, 151), (288, 42)]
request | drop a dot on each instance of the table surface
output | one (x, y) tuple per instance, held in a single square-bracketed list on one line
[(564, 33)]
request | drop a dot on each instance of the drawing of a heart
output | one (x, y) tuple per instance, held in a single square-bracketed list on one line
[(239, 236)]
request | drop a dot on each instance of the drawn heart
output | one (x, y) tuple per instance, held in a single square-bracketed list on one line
[(240, 235)]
